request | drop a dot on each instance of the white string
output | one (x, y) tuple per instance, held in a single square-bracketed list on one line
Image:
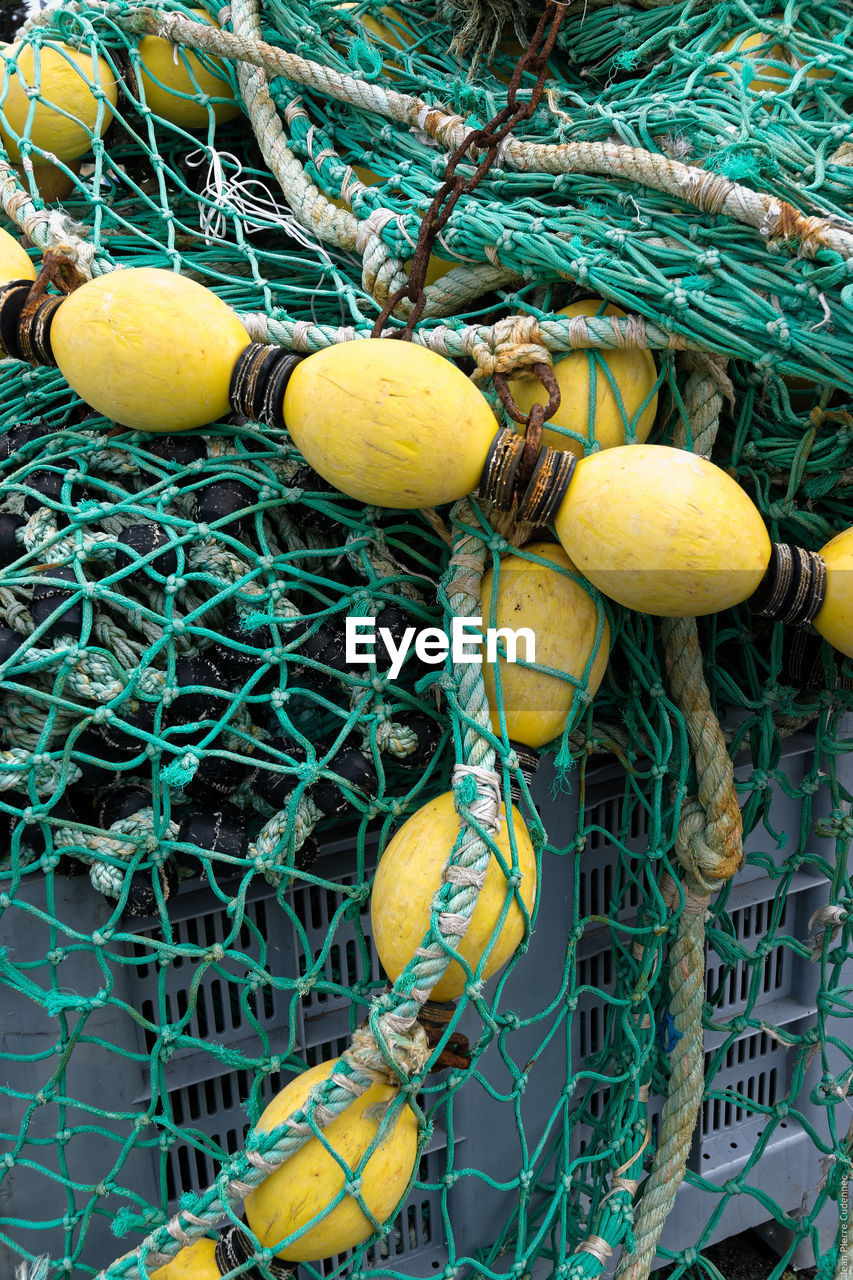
[(226, 192)]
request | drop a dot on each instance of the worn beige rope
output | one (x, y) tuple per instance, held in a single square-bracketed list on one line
[(774, 219)]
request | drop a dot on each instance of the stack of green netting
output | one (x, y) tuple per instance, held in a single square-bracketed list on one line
[(180, 720)]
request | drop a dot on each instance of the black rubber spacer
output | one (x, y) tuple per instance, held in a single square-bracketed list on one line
[(497, 481), (793, 587), (549, 481), (34, 332), (272, 410), (258, 382), (13, 297)]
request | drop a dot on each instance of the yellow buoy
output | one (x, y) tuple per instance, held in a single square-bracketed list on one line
[(834, 619), (564, 621), (196, 1262), (171, 82), (410, 874), (69, 84), (389, 423), (311, 1179), (149, 349), (763, 75), (15, 263), (631, 369), (663, 531)]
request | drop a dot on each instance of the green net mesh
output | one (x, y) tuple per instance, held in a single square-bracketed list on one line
[(196, 785)]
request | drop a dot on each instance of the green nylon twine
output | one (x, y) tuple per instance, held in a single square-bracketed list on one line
[(653, 175)]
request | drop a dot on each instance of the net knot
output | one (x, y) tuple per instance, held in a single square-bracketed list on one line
[(397, 739)]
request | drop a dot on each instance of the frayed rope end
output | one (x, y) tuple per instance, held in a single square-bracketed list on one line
[(36, 1270)]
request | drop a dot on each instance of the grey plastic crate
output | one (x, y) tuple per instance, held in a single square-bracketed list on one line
[(90, 1078), (207, 1101), (756, 1066)]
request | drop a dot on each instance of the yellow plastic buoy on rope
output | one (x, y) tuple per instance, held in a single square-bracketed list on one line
[(563, 618), (393, 424), (389, 423), (149, 349), (656, 529), (311, 1179), (173, 77), (628, 374), (663, 531), (15, 263), (195, 1262), (67, 85), (763, 75), (834, 620), (410, 874)]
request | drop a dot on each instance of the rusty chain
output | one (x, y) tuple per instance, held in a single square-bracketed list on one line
[(487, 139)]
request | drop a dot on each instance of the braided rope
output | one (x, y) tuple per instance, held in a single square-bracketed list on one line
[(484, 343), (711, 192), (686, 1082), (316, 213)]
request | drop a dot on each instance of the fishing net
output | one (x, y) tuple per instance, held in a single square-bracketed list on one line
[(196, 784)]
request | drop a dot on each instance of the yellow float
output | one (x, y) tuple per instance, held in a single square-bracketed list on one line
[(311, 1179), (69, 84), (834, 619), (196, 1262), (410, 874), (171, 83), (15, 262), (663, 531), (564, 620), (389, 423), (149, 349), (631, 369)]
